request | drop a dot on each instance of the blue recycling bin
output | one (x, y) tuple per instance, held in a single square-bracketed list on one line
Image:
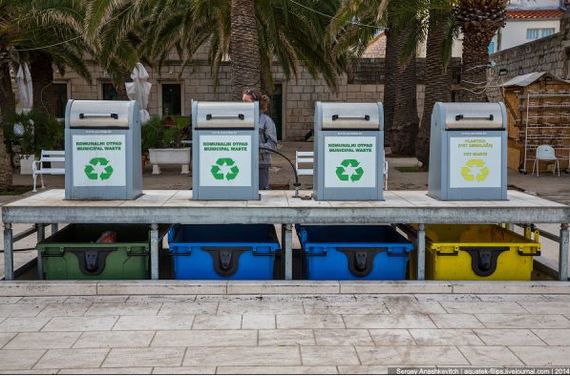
[(354, 252), (223, 251)]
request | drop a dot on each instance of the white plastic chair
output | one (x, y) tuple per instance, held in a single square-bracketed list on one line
[(548, 154)]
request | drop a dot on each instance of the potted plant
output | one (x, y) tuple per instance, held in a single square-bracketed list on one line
[(164, 139), (19, 130)]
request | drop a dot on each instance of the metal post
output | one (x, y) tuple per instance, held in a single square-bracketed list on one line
[(288, 245), (54, 228), (421, 252), (8, 252), (40, 230), (563, 254), (154, 251)]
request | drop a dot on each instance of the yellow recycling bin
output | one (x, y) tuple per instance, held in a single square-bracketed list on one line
[(479, 252)]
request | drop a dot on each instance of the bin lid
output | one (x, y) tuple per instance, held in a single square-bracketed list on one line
[(474, 116), (225, 115), (351, 116), (101, 114)]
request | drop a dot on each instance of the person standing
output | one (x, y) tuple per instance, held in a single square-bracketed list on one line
[(267, 135)]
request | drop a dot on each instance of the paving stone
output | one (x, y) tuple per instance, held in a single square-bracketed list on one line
[(154, 322), (65, 309), (396, 337), (167, 287), (97, 299), (545, 356), (445, 337), (19, 359), (243, 356), (286, 337), (345, 308), (283, 287), (9, 299), (343, 337), (43, 340), (265, 308), (362, 370), (523, 321), (20, 310), (513, 298), (483, 356), (72, 358), (510, 287), (47, 288), (395, 287), (410, 307), (217, 322), (309, 321), (124, 309), (23, 324), (411, 356), (115, 338), (29, 372), (329, 355), (447, 297), (548, 308), (145, 356), (205, 338), (106, 371), (508, 337), (188, 308), (184, 370), (283, 370), (258, 321), (80, 324), (456, 321), (483, 307), (557, 298), (553, 337), (42, 300), (388, 321), (182, 299), (5, 338)]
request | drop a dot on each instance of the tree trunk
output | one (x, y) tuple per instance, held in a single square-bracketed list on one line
[(438, 85), (390, 61), (474, 68), (121, 89), (406, 121), (244, 48), (41, 70), (5, 93)]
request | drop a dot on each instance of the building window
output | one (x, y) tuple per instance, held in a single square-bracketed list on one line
[(532, 34), (109, 92), (60, 99), (171, 99)]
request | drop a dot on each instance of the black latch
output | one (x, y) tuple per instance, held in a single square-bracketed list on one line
[(484, 259), (226, 259), (361, 259), (91, 260)]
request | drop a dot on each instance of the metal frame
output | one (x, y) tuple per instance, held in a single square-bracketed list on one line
[(280, 207)]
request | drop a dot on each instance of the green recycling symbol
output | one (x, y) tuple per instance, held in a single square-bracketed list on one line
[(106, 172), (217, 169), (342, 174), (475, 169)]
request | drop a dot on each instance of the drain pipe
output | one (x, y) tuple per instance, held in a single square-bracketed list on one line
[(296, 184)]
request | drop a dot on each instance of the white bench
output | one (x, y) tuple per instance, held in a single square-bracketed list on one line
[(41, 167), (308, 157)]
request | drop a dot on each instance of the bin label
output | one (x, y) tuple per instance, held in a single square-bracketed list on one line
[(475, 162), (99, 160), (225, 161), (350, 162)]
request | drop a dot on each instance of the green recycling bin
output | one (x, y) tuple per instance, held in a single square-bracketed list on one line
[(97, 251)]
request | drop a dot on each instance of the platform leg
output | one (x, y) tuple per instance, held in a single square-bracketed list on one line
[(287, 231), (156, 169), (563, 254), (40, 230), (154, 251), (54, 228), (8, 252), (421, 272)]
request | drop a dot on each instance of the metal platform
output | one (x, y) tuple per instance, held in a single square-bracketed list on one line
[(280, 207)]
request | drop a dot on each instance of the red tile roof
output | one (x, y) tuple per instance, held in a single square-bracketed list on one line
[(533, 14)]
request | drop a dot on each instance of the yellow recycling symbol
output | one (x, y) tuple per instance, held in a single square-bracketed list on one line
[(475, 169)]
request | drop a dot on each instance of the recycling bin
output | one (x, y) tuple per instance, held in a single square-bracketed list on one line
[(102, 150), (479, 252), (468, 152), (353, 252), (223, 251), (97, 251), (225, 151), (349, 151)]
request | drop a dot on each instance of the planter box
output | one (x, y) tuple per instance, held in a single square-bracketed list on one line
[(170, 156), (26, 164)]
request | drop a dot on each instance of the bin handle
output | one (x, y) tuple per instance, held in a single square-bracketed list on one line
[(463, 117), (226, 117), (86, 115), (337, 117)]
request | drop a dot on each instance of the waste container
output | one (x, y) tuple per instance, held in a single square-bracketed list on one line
[(354, 252), (102, 150), (468, 153), (225, 151), (97, 251), (478, 252), (223, 251), (349, 151)]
